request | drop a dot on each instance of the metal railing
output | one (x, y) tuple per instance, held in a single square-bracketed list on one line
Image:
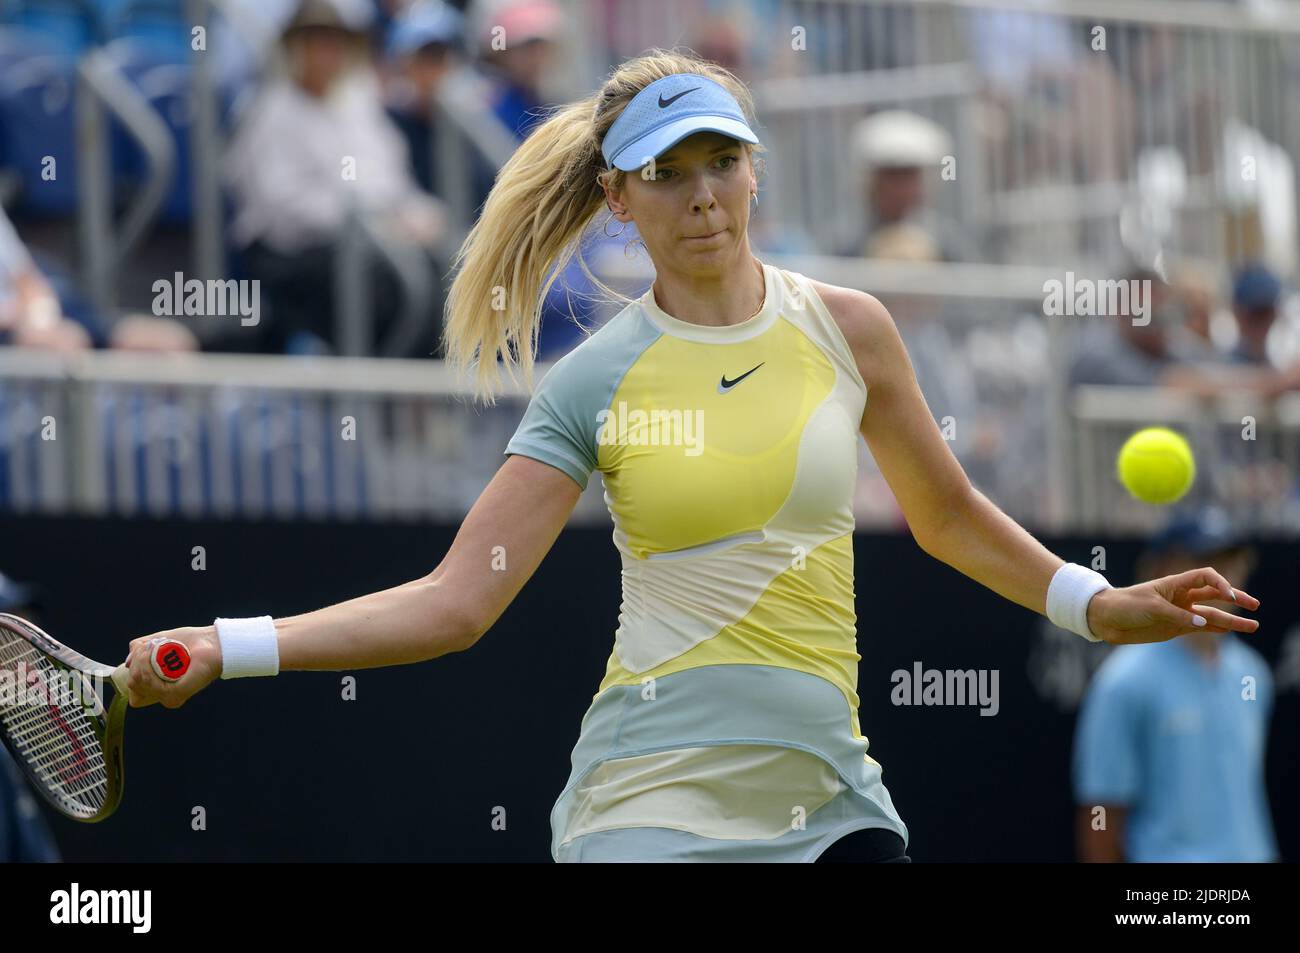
[(333, 438), (103, 90), (254, 436), (1247, 452), (261, 436), (360, 244)]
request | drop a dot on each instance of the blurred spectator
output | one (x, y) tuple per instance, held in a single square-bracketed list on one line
[(1255, 296), (721, 40), (315, 147), (1116, 349), (32, 312), (1198, 301), (897, 153), (1014, 48), (735, 34), (387, 12), (1042, 85), (240, 48), (1171, 736), (425, 43), (24, 837), (516, 40)]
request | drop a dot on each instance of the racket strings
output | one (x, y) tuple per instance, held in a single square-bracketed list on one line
[(45, 718)]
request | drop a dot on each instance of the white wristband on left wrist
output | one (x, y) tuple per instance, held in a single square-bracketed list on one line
[(1068, 595)]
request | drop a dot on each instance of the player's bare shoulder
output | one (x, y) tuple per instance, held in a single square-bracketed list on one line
[(866, 324)]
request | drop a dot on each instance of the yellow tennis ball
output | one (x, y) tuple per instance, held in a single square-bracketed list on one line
[(1156, 465)]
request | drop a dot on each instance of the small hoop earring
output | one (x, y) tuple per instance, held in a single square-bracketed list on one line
[(754, 196), (605, 228)]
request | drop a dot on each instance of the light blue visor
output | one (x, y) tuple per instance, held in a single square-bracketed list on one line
[(665, 113)]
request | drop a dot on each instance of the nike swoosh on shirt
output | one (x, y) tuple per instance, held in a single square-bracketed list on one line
[(725, 385), (665, 103)]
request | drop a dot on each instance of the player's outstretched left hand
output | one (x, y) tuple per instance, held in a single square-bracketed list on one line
[(1168, 607)]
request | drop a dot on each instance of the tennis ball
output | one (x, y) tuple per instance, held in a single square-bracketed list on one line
[(1156, 465)]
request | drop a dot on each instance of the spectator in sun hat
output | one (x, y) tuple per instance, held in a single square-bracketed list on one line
[(321, 117), (897, 157), (1171, 736), (517, 43)]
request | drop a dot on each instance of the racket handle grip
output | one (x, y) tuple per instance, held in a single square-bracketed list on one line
[(169, 659)]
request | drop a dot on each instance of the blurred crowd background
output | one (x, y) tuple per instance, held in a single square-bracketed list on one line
[(953, 158)]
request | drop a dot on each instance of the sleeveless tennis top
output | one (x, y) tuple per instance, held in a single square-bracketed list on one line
[(726, 725)]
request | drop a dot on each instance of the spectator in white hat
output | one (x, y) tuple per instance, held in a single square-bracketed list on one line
[(898, 157)]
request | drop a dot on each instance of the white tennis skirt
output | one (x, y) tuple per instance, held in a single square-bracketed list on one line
[(788, 737)]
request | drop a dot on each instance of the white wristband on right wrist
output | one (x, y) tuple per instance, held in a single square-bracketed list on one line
[(1068, 595), (249, 647)]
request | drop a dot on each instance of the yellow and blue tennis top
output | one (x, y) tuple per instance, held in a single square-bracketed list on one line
[(726, 726)]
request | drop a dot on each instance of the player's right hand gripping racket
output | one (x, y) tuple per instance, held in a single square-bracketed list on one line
[(53, 720)]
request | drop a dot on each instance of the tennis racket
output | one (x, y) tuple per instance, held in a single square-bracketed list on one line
[(53, 720)]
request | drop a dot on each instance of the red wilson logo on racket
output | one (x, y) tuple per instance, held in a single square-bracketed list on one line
[(170, 659)]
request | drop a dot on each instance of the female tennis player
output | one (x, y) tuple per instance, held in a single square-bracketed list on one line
[(722, 410)]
